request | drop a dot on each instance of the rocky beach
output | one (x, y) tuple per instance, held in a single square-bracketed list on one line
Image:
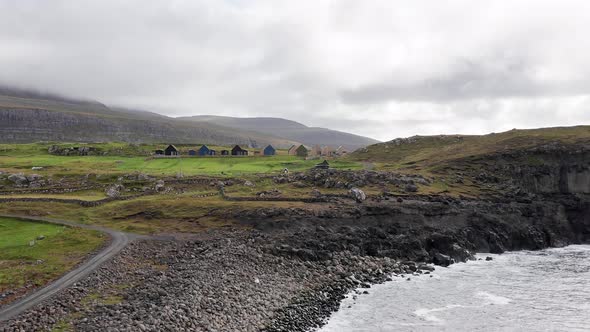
[(288, 269)]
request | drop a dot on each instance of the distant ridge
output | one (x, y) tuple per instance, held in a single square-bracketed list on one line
[(31, 116), (289, 129)]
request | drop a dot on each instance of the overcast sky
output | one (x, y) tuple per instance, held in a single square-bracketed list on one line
[(382, 69)]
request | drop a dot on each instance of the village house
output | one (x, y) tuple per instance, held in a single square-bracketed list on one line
[(225, 152), (159, 152), (302, 151), (238, 151), (316, 150), (212, 152), (171, 150), (192, 152), (204, 151), (292, 150), (269, 151), (327, 151), (341, 151)]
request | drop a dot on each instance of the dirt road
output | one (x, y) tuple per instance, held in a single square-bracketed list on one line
[(118, 241)]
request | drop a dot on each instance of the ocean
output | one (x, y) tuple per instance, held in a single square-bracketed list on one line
[(546, 290)]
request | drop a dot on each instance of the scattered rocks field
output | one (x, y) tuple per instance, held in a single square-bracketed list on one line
[(224, 281)]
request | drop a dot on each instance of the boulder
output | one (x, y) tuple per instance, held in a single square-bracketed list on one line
[(19, 179), (143, 177), (411, 188), (54, 149), (442, 260), (34, 177), (249, 184), (115, 190), (269, 193), (316, 193), (358, 195), (160, 186)]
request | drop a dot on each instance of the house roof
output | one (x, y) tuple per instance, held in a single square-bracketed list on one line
[(171, 146)]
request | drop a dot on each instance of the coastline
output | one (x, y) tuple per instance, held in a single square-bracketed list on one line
[(534, 290), (290, 274)]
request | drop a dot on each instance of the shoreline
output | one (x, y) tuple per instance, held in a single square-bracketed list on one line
[(291, 274), (487, 295)]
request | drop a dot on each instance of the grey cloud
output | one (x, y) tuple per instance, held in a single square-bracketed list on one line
[(487, 78), (380, 68)]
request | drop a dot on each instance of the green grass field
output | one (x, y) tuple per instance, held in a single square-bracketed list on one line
[(62, 248), (21, 158)]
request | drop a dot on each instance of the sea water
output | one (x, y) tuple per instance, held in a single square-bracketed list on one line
[(546, 290)]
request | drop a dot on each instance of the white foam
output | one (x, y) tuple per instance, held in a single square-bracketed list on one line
[(492, 298), (514, 291)]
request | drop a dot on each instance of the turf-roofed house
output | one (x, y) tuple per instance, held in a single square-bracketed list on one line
[(204, 151), (269, 151), (238, 151), (171, 150)]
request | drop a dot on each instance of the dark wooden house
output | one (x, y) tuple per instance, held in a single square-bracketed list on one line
[(159, 152), (212, 152), (204, 151), (302, 151), (171, 150), (225, 152), (192, 152), (269, 151), (238, 151)]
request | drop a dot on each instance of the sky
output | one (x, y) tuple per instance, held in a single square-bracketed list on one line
[(382, 69)]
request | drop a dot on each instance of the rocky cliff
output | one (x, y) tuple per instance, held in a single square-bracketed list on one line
[(31, 125), (547, 169)]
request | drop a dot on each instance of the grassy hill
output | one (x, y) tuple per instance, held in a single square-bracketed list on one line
[(29, 116), (25, 120), (429, 152), (122, 158), (289, 130), (59, 251)]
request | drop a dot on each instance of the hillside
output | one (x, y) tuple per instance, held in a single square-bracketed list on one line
[(289, 130), (546, 160), (432, 150), (29, 116), (432, 153)]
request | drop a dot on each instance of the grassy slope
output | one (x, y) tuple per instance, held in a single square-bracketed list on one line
[(22, 157), (423, 153), (151, 120), (149, 214), (289, 130), (62, 249)]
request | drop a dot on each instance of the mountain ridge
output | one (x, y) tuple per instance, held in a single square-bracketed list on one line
[(289, 129), (29, 116)]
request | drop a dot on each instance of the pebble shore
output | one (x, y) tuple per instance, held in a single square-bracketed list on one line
[(222, 281)]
